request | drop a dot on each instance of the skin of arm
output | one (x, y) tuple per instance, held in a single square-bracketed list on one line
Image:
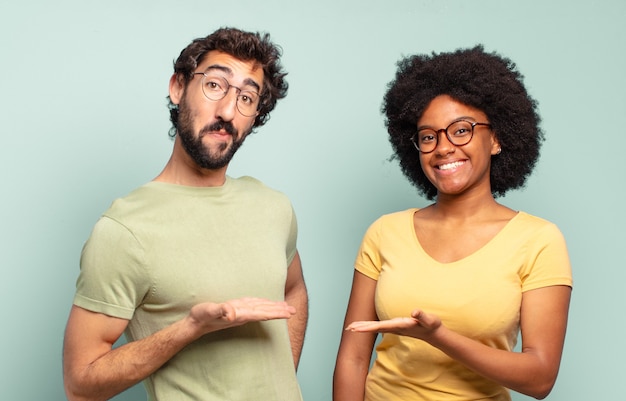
[(296, 296), (355, 349), (93, 370), (533, 371)]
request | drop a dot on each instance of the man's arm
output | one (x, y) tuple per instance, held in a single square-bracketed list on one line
[(93, 370), (296, 296)]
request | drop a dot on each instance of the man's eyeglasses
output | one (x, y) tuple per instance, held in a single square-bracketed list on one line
[(459, 133), (216, 87)]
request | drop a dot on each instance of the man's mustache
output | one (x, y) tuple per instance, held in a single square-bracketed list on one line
[(226, 126)]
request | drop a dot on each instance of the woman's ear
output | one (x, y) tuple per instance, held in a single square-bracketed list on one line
[(495, 146)]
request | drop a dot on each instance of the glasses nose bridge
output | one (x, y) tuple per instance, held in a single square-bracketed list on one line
[(237, 94), (446, 135), (238, 105), (228, 86)]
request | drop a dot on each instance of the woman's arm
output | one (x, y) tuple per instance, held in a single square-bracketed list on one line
[(355, 349), (532, 371)]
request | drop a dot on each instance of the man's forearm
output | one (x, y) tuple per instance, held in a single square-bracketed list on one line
[(125, 366), (297, 324), (93, 371)]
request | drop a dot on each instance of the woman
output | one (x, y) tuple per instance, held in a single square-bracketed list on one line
[(451, 285)]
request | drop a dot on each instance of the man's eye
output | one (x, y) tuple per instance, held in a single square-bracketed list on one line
[(214, 86)]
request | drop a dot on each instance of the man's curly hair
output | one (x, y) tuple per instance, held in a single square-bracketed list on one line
[(485, 81), (246, 46)]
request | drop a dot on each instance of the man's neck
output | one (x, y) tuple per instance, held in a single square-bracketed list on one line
[(182, 170), (200, 178)]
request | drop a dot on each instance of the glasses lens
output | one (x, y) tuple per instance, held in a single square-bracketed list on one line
[(460, 132), (247, 103), (214, 87), (425, 140)]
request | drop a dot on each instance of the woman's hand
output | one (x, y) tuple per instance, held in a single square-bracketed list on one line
[(419, 325)]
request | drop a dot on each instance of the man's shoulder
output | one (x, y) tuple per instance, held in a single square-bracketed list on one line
[(133, 203), (255, 186)]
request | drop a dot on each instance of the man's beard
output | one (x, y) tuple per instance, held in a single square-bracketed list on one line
[(202, 155)]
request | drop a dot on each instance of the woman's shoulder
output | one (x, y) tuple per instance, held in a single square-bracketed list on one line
[(532, 220), (397, 216), (393, 220), (533, 225)]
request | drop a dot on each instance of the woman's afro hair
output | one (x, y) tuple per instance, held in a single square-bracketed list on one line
[(485, 81)]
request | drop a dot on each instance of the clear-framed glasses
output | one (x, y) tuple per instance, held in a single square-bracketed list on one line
[(215, 87), (459, 133)]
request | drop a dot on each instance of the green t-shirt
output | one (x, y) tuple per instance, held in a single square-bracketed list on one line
[(164, 248)]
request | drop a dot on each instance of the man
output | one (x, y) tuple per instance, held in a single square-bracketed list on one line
[(198, 269)]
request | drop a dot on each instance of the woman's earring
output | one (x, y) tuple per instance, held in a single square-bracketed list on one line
[(499, 150)]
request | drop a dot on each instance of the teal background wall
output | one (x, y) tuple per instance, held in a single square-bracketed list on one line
[(83, 119)]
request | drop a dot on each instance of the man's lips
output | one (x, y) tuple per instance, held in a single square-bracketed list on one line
[(219, 133), (219, 128)]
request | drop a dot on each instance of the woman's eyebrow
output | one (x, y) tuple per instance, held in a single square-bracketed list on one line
[(455, 120)]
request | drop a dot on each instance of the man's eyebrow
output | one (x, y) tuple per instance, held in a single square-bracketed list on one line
[(229, 72)]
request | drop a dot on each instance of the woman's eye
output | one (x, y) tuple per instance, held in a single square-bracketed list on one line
[(427, 138), (461, 131)]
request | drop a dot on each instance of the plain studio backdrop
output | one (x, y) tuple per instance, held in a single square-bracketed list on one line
[(84, 121)]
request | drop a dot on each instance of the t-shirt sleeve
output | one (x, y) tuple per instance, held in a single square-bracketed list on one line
[(292, 239), (112, 278), (368, 260), (548, 262)]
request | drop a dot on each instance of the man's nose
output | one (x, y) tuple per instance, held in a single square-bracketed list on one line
[(227, 107)]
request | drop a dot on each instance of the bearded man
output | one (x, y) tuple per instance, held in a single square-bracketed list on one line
[(199, 270)]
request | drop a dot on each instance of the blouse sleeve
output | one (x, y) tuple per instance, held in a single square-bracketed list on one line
[(548, 262), (368, 259)]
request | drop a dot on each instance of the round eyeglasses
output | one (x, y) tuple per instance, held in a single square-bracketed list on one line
[(216, 88), (459, 133)]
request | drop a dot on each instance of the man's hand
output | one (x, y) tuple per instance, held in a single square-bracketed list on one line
[(210, 316)]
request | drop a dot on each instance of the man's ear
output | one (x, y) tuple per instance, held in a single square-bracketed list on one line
[(177, 88)]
